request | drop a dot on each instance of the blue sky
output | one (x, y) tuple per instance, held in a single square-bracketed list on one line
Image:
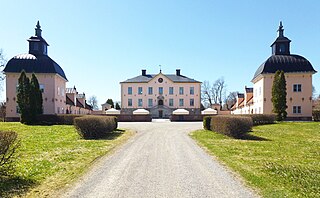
[(100, 43)]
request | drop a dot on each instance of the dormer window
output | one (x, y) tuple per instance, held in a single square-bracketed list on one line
[(282, 48), (45, 49)]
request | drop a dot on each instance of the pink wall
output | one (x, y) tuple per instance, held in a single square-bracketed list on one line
[(302, 98), (51, 99)]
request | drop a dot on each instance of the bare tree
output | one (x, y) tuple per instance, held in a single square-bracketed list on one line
[(206, 93), (231, 99), (314, 95), (93, 101), (219, 87), (213, 94)]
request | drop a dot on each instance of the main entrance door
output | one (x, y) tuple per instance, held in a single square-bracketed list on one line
[(160, 114)]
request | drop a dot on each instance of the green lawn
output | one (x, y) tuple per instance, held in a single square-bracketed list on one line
[(279, 160), (51, 157)]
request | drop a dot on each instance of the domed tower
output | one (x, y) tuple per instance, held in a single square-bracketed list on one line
[(298, 72), (51, 77)]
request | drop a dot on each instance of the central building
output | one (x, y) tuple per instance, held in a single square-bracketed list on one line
[(160, 94)]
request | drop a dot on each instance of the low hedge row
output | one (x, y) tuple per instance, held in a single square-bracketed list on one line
[(233, 126), (95, 127), (62, 119), (316, 115), (259, 119)]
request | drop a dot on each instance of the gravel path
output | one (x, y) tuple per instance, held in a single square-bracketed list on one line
[(160, 161)]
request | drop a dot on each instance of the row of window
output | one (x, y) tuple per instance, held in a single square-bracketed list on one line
[(60, 91), (296, 88), (160, 90), (151, 104)]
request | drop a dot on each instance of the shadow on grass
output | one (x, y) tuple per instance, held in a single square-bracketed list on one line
[(11, 186), (248, 136)]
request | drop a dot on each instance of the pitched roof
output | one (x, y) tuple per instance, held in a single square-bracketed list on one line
[(287, 63), (249, 90), (79, 104), (172, 77), (34, 64), (88, 106), (71, 90), (69, 101)]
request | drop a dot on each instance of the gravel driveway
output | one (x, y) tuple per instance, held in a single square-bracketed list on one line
[(160, 161)]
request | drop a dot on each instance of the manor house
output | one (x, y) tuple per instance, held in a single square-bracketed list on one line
[(160, 94), (298, 73)]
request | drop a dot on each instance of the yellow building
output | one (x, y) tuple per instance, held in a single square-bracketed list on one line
[(298, 73)]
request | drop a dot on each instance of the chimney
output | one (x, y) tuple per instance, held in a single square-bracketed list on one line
[(144, 72), (178, 72)]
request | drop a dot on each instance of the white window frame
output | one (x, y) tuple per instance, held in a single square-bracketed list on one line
[(297, 88), (296, 109)]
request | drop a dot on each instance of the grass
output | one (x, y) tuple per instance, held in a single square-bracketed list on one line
[(51, 157), (279, 160)]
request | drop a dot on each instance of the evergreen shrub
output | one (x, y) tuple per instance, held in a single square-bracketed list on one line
[(233, 126), (95, 127), (316, 115)]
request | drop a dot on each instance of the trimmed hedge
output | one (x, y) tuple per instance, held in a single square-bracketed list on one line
[(316, 115), (95, 127), (233, 126), (62, 119), (207, 122), (260, 119)]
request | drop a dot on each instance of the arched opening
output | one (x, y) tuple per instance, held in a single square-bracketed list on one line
[(160, 102)]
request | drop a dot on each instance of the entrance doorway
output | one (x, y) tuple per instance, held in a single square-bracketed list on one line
[(160, 114), (160, 102)]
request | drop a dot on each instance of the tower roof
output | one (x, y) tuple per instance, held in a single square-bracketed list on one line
[(281, 58), (33, 64), (35, 61)]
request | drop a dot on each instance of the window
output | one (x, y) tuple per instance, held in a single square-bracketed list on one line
[(17, 87), (129, 102), (296, 109), (62, 91), (129, 90), (181, 90), (58, 110), (17, 109), (150, 102), (150, 90), (191, 90), (160, 90), (170, 102), (259, 91), (191, 102), (41, 86), (139, 90), (297, 88), (181, 102), (170, 90), (139, 102), (58, 91)]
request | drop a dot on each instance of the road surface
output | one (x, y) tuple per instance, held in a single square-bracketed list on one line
[(160, 161)]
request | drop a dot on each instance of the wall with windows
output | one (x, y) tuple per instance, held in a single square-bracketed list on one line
[(299, 94), (49, 83)]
